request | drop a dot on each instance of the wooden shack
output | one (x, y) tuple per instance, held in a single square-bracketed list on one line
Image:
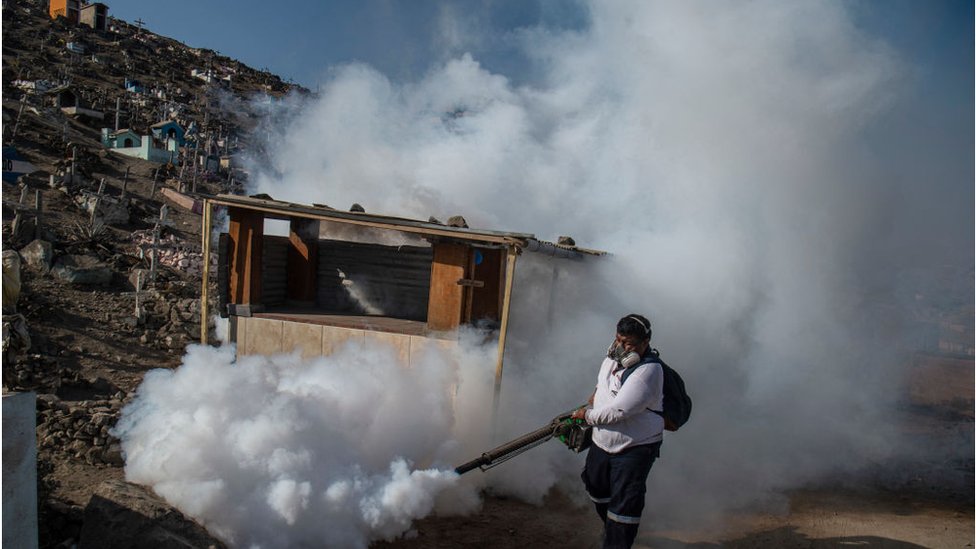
[(341, 275)]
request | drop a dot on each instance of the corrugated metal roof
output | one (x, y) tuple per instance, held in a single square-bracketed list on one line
[(282, 209)]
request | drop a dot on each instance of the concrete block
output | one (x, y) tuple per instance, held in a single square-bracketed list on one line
[(420, 346), (239, 329), (334, 337), (400, 342), (304, 337), (19, 471), (263, 336)]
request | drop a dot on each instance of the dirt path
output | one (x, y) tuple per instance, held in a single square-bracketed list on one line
[(814, 519)]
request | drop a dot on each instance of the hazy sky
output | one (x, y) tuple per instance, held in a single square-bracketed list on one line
[(301, 39)]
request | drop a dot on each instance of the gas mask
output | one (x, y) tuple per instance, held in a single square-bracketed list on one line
[(623, 357)]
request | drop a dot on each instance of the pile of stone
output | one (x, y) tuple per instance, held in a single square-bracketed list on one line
[(181, 323), (173, 253), (37, 372), (80, 429)]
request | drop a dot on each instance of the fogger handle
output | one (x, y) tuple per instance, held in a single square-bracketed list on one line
[(490, 456)]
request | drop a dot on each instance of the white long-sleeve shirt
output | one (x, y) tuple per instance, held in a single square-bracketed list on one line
[(621, 414)]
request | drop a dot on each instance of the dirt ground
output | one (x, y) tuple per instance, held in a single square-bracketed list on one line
[(813, 519), (922, 502)]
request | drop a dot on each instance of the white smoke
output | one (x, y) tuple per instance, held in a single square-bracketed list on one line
[(718, 150), (281, 452)]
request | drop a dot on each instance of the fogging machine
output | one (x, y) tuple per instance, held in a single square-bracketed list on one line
[(574, 433)]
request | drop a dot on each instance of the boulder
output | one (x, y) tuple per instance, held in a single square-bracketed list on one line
[(38, 255), (121, 515), (110, 210), (82, 269), (457, 221), (11, 283)]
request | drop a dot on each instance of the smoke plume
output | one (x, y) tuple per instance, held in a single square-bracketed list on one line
[(733, 159)]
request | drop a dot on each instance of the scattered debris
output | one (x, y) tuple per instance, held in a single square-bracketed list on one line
[(82, 269), (38, 255)]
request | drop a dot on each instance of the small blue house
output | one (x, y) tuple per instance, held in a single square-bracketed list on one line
[(120, 139), (146, 147), (133, 86), (167, 130)]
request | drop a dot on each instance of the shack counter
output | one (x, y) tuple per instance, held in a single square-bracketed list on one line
[(340, 275)]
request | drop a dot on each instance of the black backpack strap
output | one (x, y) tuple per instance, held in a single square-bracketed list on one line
[(649, 357)]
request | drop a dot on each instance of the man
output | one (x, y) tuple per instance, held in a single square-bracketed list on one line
[(624, 411)]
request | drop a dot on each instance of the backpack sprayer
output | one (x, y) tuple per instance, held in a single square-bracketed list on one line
[(574, 433)]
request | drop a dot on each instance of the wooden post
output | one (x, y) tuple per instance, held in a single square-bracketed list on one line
[(19, 216), (196, 166), (154, 258), (303, 260), (246, 234), (205, 288), (20, 113), (503, 331), (152, 193), (38, 207), (138, 312), (125, 181)]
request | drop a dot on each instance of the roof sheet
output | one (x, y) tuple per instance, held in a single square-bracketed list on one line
[(282, 209)]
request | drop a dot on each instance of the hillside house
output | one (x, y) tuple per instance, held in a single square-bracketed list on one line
[(94, 15), (69, 101), (147, 147), (133, 86), (69, 9), (169, 130), (351, 275), (63, 96)]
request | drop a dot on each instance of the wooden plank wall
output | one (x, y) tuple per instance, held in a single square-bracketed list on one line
[(446, 304), (487, 300), (274, 270), (394, 279), (246, 234)]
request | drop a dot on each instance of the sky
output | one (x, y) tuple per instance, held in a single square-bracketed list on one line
[(301, 40), (785, 190)]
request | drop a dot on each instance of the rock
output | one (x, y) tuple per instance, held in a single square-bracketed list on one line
[(50, 401), (100, 419), (457, 221), (113, 455), (82, 269), (135, 276), (121, 515), (11, 285), (38, 255), (566, 241), (111, 210)]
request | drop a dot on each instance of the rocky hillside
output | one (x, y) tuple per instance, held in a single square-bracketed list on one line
[(94, 311)]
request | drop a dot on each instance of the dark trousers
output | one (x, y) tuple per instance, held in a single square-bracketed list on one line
[(617, 483)]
